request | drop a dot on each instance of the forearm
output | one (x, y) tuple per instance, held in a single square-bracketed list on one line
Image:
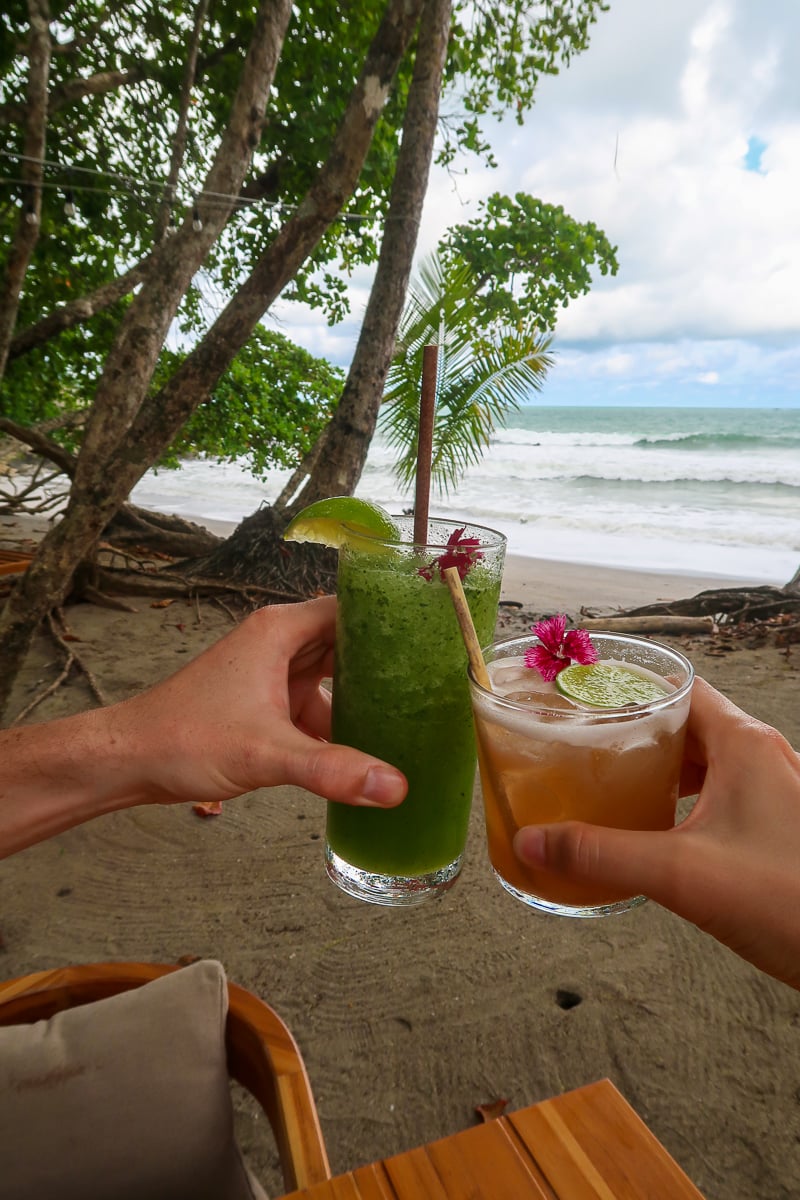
[(59, 774)]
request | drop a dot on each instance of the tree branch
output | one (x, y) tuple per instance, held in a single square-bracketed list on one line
[(346, 438), (181, 132), (129, 365), (67, 316), (36, 439), (96, 85)]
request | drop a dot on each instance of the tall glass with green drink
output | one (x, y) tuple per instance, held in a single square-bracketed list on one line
[(400, 692)]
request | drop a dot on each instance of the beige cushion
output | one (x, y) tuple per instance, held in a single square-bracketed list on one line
[(124, 1098)]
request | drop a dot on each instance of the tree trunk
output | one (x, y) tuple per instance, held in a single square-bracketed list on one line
[(111, 461), (128, 369), (178, 148)]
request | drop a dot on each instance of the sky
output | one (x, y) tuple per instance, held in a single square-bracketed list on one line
[(678, 133)]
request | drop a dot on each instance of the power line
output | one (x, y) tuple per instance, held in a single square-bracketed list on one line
[(128, 186)]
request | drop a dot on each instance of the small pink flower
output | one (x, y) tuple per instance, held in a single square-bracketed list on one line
[(558, 648), (460, 553)]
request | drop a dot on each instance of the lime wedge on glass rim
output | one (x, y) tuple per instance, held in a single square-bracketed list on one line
[(331, 522), (607, 685)]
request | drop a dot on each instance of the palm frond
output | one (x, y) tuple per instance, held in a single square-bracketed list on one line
[(482, 378)]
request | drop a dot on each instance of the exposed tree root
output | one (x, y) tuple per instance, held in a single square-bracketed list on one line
[(729, 605), (256, 555), (657, 623), (60, 632), (168, 584), (95, 596), (160, 532)]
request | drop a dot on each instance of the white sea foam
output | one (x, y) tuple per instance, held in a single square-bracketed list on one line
[(709, 492)]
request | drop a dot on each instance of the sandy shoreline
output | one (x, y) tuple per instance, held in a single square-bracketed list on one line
[(548, 584), (407, 1020), (544, 585)]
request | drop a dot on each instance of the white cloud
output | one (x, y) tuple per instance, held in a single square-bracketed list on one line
[(646, 134)]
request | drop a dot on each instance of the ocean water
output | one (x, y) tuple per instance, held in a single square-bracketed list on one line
[(708, 491)]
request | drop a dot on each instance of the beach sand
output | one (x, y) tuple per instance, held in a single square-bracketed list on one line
[(408, 1019)]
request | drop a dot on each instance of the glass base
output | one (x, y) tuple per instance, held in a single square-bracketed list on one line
[(571, 910), (394, 890)]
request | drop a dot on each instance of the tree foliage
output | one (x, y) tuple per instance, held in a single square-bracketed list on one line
[(267, 410), (528, 258), (245, 149)]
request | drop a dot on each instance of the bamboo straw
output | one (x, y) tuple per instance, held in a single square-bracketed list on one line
[(453, 581), (427, 410)]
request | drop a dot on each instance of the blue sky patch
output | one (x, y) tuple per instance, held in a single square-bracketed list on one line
[(755, 151)]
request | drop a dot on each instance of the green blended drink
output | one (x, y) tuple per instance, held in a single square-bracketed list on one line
[(401, 693)]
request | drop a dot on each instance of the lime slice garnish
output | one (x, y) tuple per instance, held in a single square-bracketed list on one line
[(333, 521), (606, 685)]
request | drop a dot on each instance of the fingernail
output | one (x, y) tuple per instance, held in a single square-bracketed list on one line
[(531, 846), (383, 787)]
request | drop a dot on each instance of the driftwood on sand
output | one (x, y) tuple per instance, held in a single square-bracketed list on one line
[(651, 624)]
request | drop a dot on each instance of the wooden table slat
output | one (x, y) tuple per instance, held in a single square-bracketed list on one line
[(591, 1145), (342, 1187), (413, 1174), (486, 1162), (372, 1182)]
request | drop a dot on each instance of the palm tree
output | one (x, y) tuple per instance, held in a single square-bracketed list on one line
[(486, 371)]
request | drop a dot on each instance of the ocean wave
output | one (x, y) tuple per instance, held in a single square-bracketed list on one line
[(719, 441), (742, 529), (547, 437), (628, 465), (775, 489)]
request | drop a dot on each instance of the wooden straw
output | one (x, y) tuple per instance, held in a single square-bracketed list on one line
[(427, 409), (453, 581)]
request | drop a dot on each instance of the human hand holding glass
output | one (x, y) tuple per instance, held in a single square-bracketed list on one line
[(249, 712), (731, 867)]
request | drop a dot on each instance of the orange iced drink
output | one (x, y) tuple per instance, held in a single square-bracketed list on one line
[(545, 757)]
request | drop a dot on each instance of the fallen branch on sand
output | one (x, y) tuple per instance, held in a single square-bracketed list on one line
[(652, 624), (729, 605)]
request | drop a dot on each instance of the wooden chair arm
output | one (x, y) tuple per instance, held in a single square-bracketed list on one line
[(262, 1054)]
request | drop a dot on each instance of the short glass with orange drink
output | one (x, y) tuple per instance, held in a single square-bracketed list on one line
[(578, 746)]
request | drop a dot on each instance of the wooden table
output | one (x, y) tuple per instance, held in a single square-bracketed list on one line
[(588, 1144)]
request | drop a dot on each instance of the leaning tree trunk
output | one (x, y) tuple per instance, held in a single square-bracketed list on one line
[(130, 429), (256, 550)]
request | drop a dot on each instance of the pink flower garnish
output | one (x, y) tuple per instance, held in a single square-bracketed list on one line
[(460, 553), (558, 647)]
